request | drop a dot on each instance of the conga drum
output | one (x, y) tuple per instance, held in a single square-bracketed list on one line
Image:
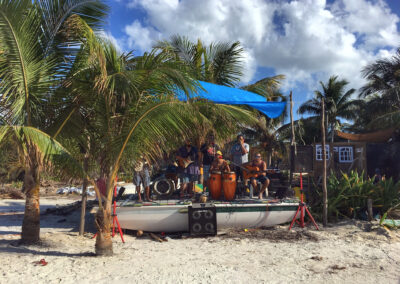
[(229, 185), (215, 184)]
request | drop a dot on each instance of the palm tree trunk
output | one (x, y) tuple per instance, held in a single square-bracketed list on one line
[(31, 222), (103, 223), (84, 192), (332, 132), (83, 204)]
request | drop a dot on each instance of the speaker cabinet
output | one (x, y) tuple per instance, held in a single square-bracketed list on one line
[(202, 219)]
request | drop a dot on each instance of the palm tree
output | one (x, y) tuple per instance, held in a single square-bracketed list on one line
[(383, 92), (264, 134), (218, 63), (33, 58), (338, 104), (130, 109)]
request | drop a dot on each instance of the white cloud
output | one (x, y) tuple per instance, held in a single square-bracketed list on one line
[(108, 36), (140, 37), (304, 40), (370, 19)]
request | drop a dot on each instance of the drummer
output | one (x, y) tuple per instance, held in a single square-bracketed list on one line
[(219, 164)]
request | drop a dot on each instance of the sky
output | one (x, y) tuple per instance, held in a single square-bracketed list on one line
[(306, 40)]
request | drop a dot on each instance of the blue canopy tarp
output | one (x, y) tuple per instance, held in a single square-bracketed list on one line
[(232, 96)]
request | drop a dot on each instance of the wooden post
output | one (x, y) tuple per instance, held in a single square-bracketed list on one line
[(292, 141), (369, 206), (324, 189), (292, 138)]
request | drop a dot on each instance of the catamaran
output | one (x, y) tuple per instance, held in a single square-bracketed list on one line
[(172, 215)]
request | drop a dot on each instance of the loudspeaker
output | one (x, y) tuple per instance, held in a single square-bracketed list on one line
[(202, 219)]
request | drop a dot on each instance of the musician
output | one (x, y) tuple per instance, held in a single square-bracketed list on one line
[(141, 175), (220, 164), (188, 170), (240, 155), (207, 153), (262, 176)]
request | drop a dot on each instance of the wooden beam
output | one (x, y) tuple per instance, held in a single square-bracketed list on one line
[(324, 189)]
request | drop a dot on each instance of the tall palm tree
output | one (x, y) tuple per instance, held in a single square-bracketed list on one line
[(338, 104), (33, 57), (383, 92)]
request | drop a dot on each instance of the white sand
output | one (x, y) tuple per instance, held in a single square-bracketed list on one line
[(344, 254)]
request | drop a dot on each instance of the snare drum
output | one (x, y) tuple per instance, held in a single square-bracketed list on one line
[(215, 184)]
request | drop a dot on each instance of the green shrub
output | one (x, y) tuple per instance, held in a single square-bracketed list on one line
[(348, 195)]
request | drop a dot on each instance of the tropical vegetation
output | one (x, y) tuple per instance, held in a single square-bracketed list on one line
[(338, 104), (72, 105), (348, 195)]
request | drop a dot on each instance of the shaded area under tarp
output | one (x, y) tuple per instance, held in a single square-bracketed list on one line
[(377, 136), (232, 96)]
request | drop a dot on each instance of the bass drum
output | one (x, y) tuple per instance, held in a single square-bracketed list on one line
[(163, 188)]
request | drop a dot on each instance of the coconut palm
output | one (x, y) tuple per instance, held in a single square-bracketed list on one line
[(264, 134), (33, 57), (129, 107), (338, 104), (383, 92), (218, 63)]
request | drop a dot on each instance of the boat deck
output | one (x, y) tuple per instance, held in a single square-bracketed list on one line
[(239, 201)]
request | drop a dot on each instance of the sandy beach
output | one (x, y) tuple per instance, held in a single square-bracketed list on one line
[(351, 252)]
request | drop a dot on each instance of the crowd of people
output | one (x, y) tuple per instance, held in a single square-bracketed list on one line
[(194, 163)]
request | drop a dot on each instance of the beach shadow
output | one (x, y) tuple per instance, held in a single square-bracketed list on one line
[(10, 233), (12, 246)]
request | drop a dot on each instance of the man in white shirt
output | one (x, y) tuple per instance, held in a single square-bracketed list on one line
[(141, 175), (240, 155)]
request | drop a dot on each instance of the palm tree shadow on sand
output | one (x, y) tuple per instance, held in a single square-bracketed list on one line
[(14, 246)]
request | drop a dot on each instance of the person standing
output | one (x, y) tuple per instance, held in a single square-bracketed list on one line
[(239, 155), (208, 153), (188, 170), (141, 175)]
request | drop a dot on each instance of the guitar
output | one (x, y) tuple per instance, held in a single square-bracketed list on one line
[(250, 171), (184, 163)]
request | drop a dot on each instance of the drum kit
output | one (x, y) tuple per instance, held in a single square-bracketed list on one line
[(222, 183)]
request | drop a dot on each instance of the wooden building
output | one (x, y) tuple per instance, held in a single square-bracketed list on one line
[(340, 157), (361, 152)]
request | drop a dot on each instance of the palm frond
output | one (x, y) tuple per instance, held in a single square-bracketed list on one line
[(54, 13), (51, 153)]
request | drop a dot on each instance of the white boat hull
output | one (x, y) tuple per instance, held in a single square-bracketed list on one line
[(174, 218)]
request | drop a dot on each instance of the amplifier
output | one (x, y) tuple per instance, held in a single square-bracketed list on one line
[(202, 219)]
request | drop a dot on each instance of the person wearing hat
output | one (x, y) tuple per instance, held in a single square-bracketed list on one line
[(220, 164)]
